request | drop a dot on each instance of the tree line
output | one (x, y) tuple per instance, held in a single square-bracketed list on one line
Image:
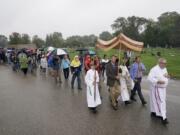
[(163, 32)]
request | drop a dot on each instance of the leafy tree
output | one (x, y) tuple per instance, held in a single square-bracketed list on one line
[(55, 40), (25, 39), (81, 41), (151, 33), (119, 25), (163, 32), (105, 36), (15, 38), (3, 41), (74, 41), (169, 27), (88, 40), (132, 26), (38, 41)]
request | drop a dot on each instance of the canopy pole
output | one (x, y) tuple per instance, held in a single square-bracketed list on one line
[(119, 51)]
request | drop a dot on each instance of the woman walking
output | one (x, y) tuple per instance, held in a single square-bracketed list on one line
[(76, 70), (65, 66)]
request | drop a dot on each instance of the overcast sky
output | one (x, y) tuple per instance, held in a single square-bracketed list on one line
[(74, 17)]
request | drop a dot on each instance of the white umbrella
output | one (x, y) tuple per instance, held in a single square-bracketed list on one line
[(60, 51), (50, 48)]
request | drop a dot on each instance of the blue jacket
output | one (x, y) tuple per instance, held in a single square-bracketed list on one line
[(134, 69), (65, 64), (50, 62)]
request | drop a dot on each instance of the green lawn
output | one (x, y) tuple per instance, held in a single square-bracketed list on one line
[(172, 56)]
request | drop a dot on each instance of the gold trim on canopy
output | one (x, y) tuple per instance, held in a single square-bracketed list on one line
[(121, 41)]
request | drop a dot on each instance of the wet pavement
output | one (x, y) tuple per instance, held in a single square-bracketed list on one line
[(35, 105)]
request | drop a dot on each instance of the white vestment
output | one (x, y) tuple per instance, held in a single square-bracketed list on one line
[(93, 96), (158, 91), (124, 79)]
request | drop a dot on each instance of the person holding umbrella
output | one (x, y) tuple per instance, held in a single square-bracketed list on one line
[(56, 68), (24, 64)]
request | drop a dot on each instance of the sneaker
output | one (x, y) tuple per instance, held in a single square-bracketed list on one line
[(94, 110), (153, 114), (115, 107), (165, 122), (127, 102), (144, 103), (133, 99)]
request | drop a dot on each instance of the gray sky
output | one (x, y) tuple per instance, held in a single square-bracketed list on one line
[(74, 17)]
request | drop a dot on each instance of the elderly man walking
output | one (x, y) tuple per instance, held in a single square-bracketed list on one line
[(113, 81), (158, 78)]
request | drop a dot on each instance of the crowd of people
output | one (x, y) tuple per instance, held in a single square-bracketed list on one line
[(122, 78), (19, 60)]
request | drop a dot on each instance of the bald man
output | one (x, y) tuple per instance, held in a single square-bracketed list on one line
[(158, 78)]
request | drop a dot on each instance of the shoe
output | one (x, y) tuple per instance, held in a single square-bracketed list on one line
[(159, 117), (153, 114), (127, 102), (116, 101), (72, 87), (165, 122), (144, 102), (109, 89), (133, 99), (79, 88), (94, 110), (115, 107)]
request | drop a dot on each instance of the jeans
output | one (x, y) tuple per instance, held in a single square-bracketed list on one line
[(137, 87), (66, 73), (76, 74)]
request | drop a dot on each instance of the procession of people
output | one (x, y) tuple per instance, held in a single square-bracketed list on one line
[(121, 79)]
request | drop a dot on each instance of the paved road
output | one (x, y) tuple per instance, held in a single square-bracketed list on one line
[(35, 105)]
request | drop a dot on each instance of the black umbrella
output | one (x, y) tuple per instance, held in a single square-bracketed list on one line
[(22, 52), (81, 49)]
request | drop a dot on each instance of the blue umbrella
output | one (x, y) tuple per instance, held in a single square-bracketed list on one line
[(91, 52)]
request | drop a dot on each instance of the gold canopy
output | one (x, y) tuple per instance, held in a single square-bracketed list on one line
[(121, 42)]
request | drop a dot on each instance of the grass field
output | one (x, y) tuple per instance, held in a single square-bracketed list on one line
[(172, 56), (149, 58)]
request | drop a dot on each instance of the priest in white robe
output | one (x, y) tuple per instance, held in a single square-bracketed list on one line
[(125, 82), (93, 96), (158, 78)]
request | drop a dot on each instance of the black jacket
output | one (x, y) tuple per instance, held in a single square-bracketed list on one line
[(111, 73)]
